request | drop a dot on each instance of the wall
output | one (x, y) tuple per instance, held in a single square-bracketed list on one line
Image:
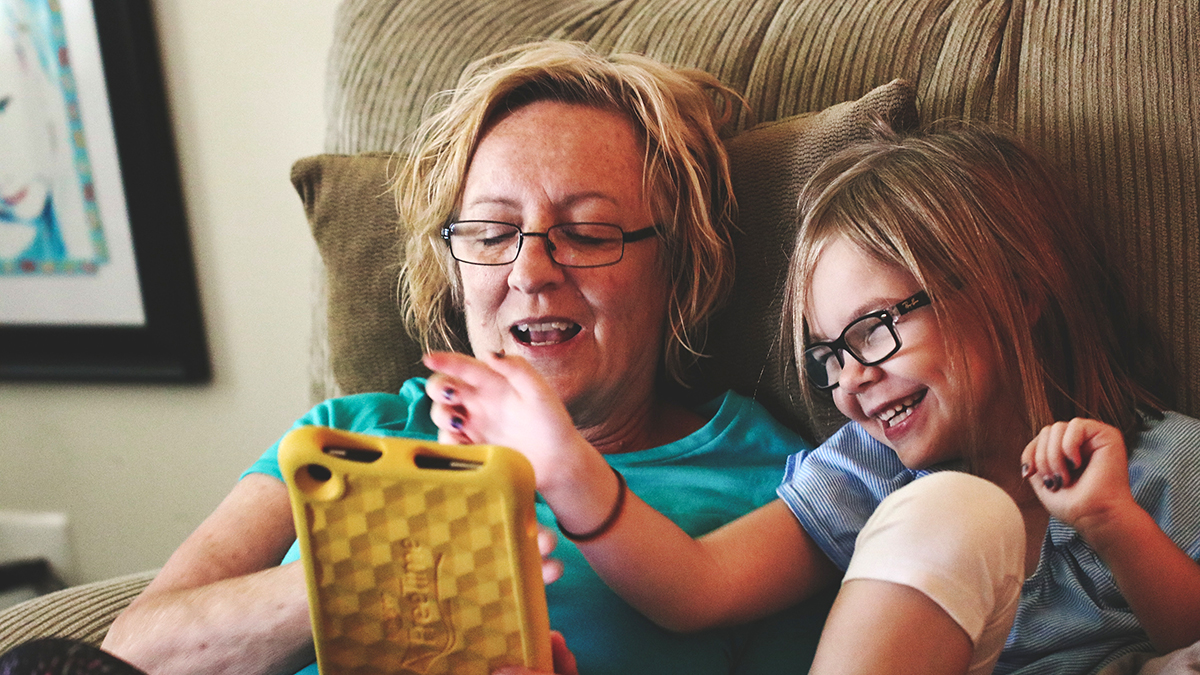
[(137, 467)]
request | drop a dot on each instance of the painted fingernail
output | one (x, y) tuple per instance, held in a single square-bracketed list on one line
[(456, 423), (498, 354), (1070, 463), (448, 393), (1048, 483), (1058, 482), (1026, 470)]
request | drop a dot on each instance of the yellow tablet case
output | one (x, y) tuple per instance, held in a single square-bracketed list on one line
[(420, 557)]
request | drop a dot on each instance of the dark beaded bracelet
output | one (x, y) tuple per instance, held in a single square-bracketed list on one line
[(608, 522)]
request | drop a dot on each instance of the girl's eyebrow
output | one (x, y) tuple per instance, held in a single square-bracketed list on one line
[(864, 308)]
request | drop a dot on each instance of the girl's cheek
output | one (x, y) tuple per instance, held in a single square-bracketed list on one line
[(847, 405)]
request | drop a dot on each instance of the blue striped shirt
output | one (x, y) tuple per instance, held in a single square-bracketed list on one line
[(1071, 618)]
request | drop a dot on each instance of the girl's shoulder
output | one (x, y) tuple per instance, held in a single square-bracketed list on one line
[(1164, 476), (1166, 438)]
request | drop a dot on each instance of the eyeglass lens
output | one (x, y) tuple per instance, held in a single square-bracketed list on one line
[(568, 244), (870, 339)]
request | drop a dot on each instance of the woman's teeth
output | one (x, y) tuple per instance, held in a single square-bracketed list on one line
[(546, 333), (899, 412)]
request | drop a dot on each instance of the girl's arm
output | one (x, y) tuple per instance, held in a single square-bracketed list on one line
[(221, 604), (755, 565), (1080, 472)]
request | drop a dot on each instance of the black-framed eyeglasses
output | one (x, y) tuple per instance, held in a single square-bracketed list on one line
[(489, 242), (871, 339)]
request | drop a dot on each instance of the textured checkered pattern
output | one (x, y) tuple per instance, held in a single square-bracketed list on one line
[(414, 579)]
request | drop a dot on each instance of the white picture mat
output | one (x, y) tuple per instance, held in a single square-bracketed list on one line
[(112, 295)]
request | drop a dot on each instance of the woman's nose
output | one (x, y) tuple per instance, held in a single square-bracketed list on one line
[(534, 269)]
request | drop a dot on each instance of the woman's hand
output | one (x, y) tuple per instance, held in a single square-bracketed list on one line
[(1080, 472), (564, 660), (552, 568)]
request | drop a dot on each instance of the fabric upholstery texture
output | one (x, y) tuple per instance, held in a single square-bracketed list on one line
[(353, 220), (354, 223), (81, 612)]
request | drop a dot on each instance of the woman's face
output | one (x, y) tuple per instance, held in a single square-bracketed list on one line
[(913, 401), (594, 333)]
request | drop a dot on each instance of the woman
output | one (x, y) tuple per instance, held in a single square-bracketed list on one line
[(574, 210)]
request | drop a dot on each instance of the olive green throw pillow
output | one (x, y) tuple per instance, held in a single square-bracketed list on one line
[(354, 222), (353, 219)]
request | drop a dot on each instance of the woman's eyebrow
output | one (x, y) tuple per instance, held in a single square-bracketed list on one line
[(573, 199)]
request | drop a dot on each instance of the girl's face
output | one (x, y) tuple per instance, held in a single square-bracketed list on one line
[(913, 402)]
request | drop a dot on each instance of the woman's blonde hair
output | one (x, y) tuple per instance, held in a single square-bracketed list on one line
[(987, 231), (678, 114)]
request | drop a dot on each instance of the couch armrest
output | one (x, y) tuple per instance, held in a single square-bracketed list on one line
[(81, 612)]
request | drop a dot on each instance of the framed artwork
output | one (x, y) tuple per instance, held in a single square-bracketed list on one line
[(96, 271)]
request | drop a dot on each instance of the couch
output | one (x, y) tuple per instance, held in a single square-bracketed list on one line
[(1108, 89)]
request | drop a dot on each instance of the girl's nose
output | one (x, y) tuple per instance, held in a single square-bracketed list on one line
[(855, 376)]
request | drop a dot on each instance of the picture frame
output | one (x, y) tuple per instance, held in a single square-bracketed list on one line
[(119, 303)]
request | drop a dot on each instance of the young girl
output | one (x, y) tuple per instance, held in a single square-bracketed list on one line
[(1008, 492)]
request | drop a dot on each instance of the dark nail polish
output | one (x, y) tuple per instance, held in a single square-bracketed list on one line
[(456, 423), (1058, 482), (448, 393), (1070, 464), (498, 354), (1025, 470), (1048, 483)]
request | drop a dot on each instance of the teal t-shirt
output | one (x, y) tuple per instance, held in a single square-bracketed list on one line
[(728, 467)]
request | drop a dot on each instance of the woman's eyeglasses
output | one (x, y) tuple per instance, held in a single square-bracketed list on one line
[(486, 242), (871, 339)]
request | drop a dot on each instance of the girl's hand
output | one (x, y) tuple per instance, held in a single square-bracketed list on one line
[(564, 660), (501, 400), (1080, 472)]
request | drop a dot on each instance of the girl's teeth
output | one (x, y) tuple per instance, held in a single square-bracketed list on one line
[(899, 412)]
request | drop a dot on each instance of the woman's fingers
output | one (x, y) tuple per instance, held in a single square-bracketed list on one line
[(552, 569), (564, 660)]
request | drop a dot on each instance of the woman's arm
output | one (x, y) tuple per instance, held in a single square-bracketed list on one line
[(1080, 472), (751, 567), (221, 604)]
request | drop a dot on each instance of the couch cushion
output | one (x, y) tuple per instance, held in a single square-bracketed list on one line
[(353, 221), (82, 612)]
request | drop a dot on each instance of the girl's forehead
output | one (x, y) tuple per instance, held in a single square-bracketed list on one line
[(847, 281)]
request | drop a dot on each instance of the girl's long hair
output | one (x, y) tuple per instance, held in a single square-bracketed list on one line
[(983, 225)]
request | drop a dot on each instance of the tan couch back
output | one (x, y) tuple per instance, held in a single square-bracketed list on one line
[(1107, 88)]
